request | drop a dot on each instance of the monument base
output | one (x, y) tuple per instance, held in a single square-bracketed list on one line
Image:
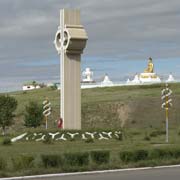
[(149, 78)]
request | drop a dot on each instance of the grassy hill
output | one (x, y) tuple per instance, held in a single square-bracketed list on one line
[(110, 107)]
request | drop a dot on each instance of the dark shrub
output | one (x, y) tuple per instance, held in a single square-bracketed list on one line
[(3, 164), (51, 160), (76, 159), (6, 141), (157, 133), (47, 140), (22, 162), (54, 87), (126, 156), (27, 160), (100, 157), (140, 155), (156, 154), (163, 153), (176, 153), (89, 140), (120, 137), (133, 156), (72, 139), (147, 138)]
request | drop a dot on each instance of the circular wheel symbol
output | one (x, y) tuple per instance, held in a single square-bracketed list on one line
[(61, 41), (57, 41)]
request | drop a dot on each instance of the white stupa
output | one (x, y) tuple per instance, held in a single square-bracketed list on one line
[(106, 81), (136, 80), (88, 76), (170, 78), (128, 81)]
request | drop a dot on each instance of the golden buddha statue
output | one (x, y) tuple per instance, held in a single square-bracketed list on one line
[(150, 68)]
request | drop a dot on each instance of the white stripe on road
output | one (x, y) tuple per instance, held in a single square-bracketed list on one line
[(87, 172)]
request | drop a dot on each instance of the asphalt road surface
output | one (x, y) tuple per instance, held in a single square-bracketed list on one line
[(151, 174)]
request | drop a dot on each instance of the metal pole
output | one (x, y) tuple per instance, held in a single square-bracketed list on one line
[(46, 123), (167, 129)]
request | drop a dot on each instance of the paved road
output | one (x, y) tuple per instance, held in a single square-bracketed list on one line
[(151, 174)]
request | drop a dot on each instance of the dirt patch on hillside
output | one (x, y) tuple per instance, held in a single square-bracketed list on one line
[(105, 115), (122, 111)]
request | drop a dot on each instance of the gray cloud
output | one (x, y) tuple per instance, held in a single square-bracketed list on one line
[(116, 28), (133, 29)]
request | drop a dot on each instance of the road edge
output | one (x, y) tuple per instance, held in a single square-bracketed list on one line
[(88, 172)]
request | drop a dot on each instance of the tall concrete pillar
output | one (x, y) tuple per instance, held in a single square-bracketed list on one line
[(70, 40)]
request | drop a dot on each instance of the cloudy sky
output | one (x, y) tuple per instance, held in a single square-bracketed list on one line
[(118, 30)]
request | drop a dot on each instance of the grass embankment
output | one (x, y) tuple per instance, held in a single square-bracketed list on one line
[(111, 107), (136, 110)]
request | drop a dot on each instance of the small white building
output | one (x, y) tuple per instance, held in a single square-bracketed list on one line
[(30, 86)]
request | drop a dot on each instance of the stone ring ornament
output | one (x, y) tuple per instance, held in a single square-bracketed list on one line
[(57, 41), (73, 40)]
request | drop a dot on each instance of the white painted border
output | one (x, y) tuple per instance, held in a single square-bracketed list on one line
[(88, 172)]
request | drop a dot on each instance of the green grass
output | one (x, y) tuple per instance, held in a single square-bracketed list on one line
[(136, 110)]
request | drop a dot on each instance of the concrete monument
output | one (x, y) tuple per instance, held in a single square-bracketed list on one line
[(70, 40)]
